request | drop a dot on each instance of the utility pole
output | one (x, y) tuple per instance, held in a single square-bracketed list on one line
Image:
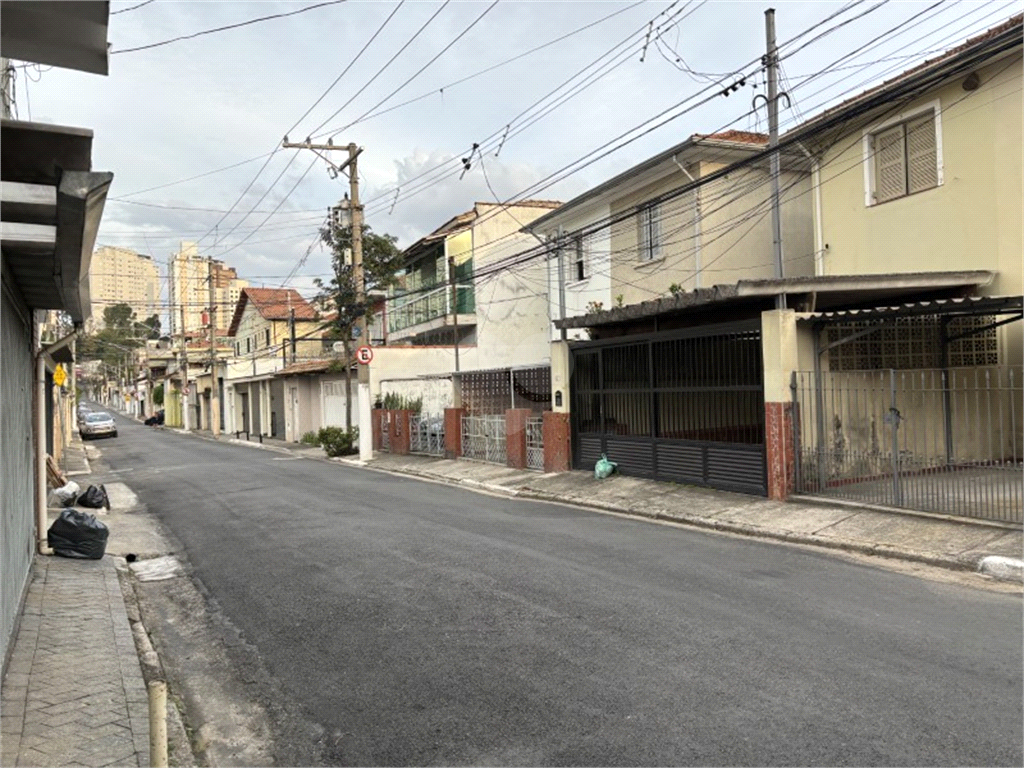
[(184, 370), (772, 64), (291, 330), (561, 281), (214, 393), (455, 307)]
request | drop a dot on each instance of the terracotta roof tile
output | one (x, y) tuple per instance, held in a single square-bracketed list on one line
[(742, 137), (272, 304)]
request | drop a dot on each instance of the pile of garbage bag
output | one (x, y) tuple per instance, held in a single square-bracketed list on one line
[(78, 534)]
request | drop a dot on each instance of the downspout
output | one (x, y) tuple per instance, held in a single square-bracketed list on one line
[(697, 234), (40, 431), (819, 237)]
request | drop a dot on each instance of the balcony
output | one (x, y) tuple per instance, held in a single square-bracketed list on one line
[(410, 316)]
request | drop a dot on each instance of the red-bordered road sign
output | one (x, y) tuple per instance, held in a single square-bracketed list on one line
[(364, 355)]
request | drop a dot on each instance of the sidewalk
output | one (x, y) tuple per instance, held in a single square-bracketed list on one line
[(74, 692)]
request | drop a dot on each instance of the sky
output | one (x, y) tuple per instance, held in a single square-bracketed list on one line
[(610, 84)]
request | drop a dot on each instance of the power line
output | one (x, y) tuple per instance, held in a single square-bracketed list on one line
[(133, 8), (229, 26)]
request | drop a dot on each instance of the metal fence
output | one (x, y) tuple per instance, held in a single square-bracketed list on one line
[(483, 438), (385, 431), (495, 391), (426, 434), (535, 442), (935, 440)]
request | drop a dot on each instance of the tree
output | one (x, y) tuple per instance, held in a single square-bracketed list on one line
[(381, 261), (121, 333), (153, 321)]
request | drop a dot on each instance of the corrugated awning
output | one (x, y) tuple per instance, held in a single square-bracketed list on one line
[(967, 306)]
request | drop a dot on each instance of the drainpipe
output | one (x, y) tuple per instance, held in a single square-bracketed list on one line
[(40, 431), (697, 234), (819, 236)]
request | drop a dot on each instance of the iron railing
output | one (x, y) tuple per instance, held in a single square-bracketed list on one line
[(535, 442), (947, 441), (426, 434), (483, 438), (421, 308)]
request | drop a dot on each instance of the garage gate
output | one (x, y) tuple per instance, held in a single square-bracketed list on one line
[(684, 406)]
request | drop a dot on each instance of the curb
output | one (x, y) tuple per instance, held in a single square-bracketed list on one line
[(1002, 568)]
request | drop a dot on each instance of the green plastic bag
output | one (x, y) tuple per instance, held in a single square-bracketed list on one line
[(603, 467)]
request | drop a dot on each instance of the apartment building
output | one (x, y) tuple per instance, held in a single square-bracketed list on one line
[(190, 297), (122, 276)]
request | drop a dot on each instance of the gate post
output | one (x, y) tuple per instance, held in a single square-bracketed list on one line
[(400, 432), (453, 432), (780, 356), (515, 436), (557, 448)]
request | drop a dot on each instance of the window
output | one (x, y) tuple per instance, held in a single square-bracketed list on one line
[(905, 158), (248, 347), (577, 267), (267, 336), (649, 222), (238, 349)]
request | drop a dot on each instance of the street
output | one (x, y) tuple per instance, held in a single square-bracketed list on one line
[(416, 623)]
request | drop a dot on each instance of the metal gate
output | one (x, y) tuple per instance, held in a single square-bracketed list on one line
[(483, 438), (934, 440), (684, 405)]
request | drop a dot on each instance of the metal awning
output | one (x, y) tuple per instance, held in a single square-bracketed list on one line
[(51, 203), (829, 292), (71, 34), (970, 306)]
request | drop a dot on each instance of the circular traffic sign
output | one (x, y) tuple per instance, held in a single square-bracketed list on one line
[(364, 355)]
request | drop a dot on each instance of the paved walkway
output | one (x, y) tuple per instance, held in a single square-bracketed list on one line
[(74, 694)]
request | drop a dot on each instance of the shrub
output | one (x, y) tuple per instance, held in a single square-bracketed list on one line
[(396, 402), (310, 438), (337, 441)]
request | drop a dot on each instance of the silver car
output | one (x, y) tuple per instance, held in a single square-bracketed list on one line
[(97, 425)]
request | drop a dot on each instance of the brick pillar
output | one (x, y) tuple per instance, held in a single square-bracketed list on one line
[(400, 432), (453, 432), (375, 422), (557, 449), (515, 436), (779, 449)]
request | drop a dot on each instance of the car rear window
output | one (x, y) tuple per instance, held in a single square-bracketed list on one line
[(94, 417)]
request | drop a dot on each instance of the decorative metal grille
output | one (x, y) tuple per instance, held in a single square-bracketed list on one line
[(385, 431), (493, 392), (483, 438), (535, 442), (426, 434)]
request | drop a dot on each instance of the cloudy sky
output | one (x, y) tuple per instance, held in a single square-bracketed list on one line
[(569, 92)]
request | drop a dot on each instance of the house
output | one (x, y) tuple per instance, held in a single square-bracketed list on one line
[(52, 202), (475, 289), (887, 368), (654, 230), (271, 328)]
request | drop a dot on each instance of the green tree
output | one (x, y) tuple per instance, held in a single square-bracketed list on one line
[(121, 333), (381, 262)]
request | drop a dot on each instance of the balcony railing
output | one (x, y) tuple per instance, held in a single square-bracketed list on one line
[(424, 307)]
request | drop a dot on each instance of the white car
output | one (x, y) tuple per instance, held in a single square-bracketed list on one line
[(97, 425)]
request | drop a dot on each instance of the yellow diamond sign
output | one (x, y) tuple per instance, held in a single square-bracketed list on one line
[(59, 377)]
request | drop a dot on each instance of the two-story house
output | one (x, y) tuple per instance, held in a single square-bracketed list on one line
[(271, 328)]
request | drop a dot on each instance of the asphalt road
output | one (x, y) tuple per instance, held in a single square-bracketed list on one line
[(423, 624)]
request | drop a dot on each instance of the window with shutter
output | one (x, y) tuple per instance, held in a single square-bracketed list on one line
[(577, 266), (905, 159)]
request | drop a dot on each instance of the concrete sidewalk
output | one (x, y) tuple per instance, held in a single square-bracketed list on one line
[(932, 539), (74, 692)]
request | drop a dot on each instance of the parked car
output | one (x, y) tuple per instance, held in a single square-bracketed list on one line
[(97, 425)]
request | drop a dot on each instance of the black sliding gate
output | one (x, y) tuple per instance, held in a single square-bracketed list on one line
[(684, 405)]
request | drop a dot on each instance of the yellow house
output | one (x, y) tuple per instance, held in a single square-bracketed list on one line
[(927, 178)]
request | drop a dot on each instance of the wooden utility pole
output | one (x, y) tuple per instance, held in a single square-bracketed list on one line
[(214, 392)]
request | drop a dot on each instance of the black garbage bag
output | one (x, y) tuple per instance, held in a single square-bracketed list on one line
[(78, 534), (94, 497)]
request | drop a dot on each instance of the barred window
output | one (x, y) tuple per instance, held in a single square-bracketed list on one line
[(912, 343), (905, 158), (649, 224), (577, 259)]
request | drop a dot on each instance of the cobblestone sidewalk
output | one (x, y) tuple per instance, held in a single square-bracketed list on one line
[(74, 694)]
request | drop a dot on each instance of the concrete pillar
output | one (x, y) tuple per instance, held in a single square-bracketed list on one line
[(515, 436), (557, 448), (368, 426), (561, 373), (453, 432), (780, 352), (378, 436)]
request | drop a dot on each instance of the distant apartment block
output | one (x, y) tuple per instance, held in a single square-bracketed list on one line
[(190, 292), (122, 276)]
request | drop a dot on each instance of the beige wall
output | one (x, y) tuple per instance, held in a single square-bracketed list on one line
[(735, 238), (971, 221), (254, 326)]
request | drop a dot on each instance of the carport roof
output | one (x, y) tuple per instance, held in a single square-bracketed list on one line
[(965, 306)]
